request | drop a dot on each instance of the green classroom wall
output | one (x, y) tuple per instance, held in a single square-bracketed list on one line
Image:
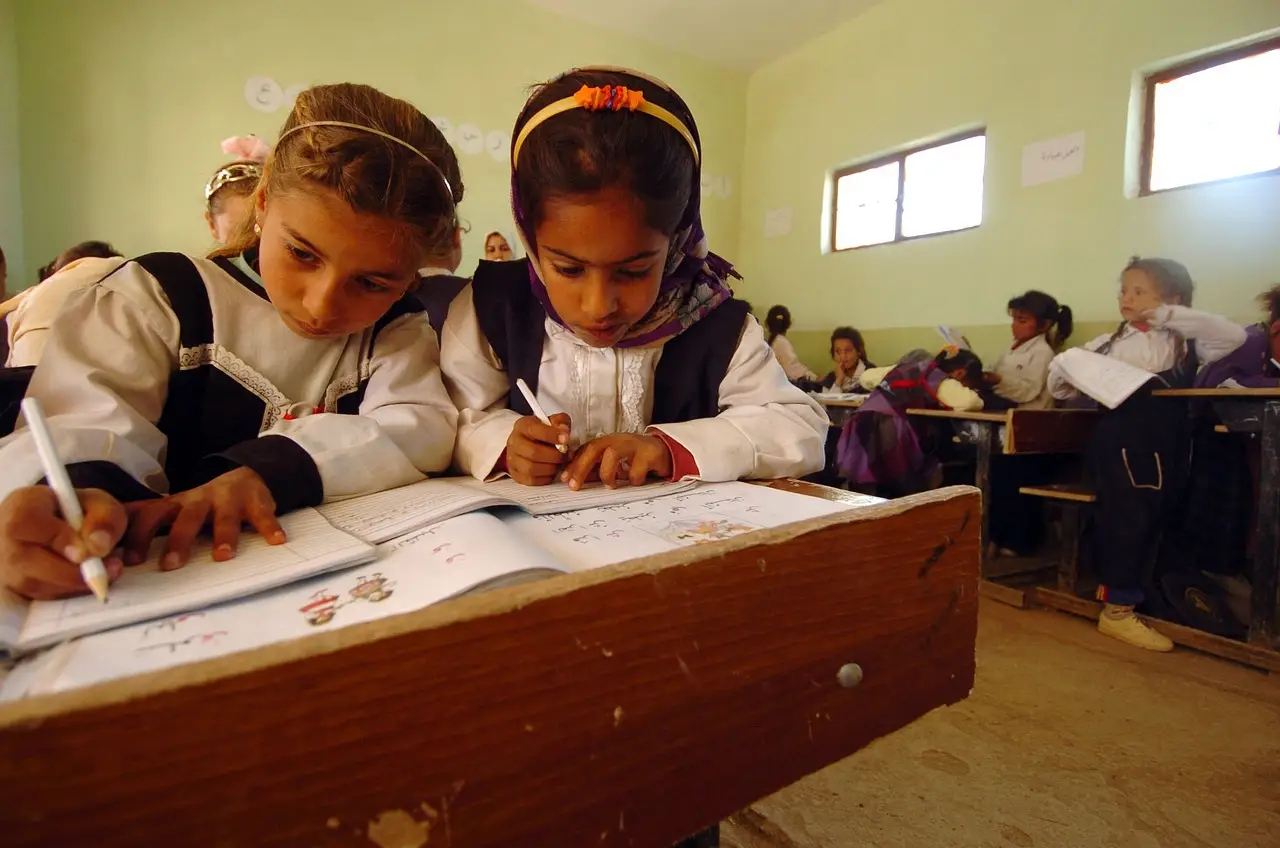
[(120, 132), (10, 164), (909, 70)]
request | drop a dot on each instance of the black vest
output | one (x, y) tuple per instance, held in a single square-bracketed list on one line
[(689, 373), (207, 410)]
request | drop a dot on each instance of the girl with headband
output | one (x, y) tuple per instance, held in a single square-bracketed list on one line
[(287, 369), (619, 320)]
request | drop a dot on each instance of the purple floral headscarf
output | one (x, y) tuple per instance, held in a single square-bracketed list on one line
[(694, 282)]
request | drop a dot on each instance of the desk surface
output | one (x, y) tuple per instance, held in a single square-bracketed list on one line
[(633, 704), (988, 417), (1219, 393), (841, 402)]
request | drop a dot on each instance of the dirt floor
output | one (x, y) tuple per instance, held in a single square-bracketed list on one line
[(1069, 739)]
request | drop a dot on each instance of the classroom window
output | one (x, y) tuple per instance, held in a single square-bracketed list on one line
[(1216, 118), (918, 192)]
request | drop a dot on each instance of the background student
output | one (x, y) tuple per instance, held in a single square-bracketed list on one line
[(1040, 327), (879, 449), (619, 318), (1139, 452), (849, 352), (228, 198), (778, 320), (288, 369), (498, 248)]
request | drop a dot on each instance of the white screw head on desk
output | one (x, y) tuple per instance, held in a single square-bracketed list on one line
[(849, 675)]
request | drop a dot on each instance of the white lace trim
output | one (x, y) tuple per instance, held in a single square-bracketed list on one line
[(276, 404), (580, 394), (631, 391)]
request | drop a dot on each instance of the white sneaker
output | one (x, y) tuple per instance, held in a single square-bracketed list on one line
[(1121, 623)]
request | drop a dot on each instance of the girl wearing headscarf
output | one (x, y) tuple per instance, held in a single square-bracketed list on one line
[(619, 321)]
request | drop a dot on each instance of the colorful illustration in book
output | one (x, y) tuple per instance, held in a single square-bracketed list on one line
[(321, 609), (375, 588), (705, 528)]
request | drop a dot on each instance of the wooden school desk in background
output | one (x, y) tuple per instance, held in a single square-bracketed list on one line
[(840, 408), (628, 705), (1255, 412)]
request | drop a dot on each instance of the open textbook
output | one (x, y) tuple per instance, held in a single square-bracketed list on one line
[(1106, 379), (386, 515), (144, 591), (428, 565)]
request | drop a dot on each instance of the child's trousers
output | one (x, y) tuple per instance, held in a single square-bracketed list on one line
[(1138, 460)]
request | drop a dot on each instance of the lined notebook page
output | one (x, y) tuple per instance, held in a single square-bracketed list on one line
[(145, 592), (379, 517)]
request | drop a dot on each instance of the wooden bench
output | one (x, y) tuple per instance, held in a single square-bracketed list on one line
[(1072, 499)]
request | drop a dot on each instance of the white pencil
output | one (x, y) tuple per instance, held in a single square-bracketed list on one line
[(537, 409), (92, 569)]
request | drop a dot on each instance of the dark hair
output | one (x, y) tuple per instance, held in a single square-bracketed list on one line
[(1055, 318), (234, 188), (2, 259), (370, 173), (1171, 278), (778, 321), (961, 359), (852, 336), (582, 152), (83, 250), (1269, 300)]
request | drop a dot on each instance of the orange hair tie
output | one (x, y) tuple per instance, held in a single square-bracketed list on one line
[(602, 97)]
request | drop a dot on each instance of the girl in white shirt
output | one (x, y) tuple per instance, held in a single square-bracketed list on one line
[(288, 369), (1139, 453), (620, 321), (1040, 326), (849, 353), (778, 320)]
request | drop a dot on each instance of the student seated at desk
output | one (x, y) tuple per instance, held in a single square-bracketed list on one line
[(1040, 327), (289, 369), (849, 352), (779, 321), (1140, 451), (619, 321), (879, 447)]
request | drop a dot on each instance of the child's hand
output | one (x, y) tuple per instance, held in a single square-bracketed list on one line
[(627, 455), (532, 457), (226, 502), (40, 554), (992, 378)]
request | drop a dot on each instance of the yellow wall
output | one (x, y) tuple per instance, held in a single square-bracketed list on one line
[(10, 182), (124, 103), (908, 70)]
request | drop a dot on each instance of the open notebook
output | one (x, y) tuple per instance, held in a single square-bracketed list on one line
[(463, 554), (144, 591), (1107, 380), (386, 515)]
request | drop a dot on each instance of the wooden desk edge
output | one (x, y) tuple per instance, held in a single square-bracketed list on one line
[(957, 415), (456, 610)]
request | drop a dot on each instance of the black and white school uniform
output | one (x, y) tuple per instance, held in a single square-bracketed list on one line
[(1139, 454), (172, 370), (716, 388)]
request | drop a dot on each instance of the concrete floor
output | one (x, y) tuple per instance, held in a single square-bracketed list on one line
[(1069, 739)]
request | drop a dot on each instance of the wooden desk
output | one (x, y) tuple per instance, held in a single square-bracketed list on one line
[(1255, 412), (629, 705), (839, 411)]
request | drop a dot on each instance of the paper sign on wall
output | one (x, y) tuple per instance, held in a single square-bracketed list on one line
[(777, 222), (1053, 159)]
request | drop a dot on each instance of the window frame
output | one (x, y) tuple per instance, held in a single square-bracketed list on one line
[(1182, 69), (899, 156)]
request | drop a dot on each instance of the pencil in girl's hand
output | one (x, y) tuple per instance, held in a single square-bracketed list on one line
[(91, 569), (537, 409)]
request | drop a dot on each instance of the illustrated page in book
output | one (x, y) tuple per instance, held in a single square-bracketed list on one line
[(386, 515), (708, 513), (422, 568), (1106, 379), (144, 591)]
